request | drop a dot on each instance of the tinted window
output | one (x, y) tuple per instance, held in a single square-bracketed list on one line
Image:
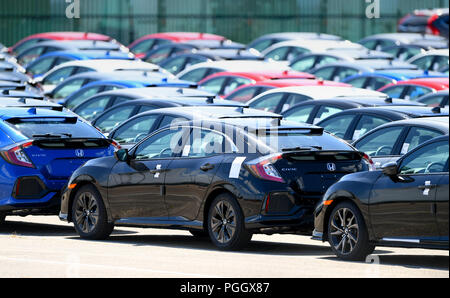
[(41, 66), (381, 142), (268, 102), (243, 95), (338, 125), (91, 109), (136, 130), (394, 91), (143, 46), (262, 45), (58, 76), (424, 63), (415, 92), (195, 75), (295, 52), (344, 72), (109, 120), (377, 83), (69, 88), (159, 55), (299, 114), (417, 136), (213, 85), (365, 124), (429, 159), (30, 55), (304, 64), (175, 65), (81, 96), (204, 143), (433, 101), (292, 100), (233, 83), (325, 73), (170, 120), (358, 82), (439, 63), (278, 53), (325, 112), (162, 145)]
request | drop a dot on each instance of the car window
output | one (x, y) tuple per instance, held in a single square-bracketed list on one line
[(384, 43), (58, 76), (394, 91), (195, 75), (109, 120), (423, 63), (357, 82), (338, 125), (170, 121), (268, 102), (120, 99), (278, 53), (158, 55), (431, 158), (415, 92), (304, 64), (204, 143), (299, 114), (146, 109), (295, 52), (164, 144), (233, 83), (41, 66), (370, 44), (381, 142), (243, 95), (26, 45), (408, 53), (143, 46), (377, 83), (174, 65), (135, 130), (433, 101), (69, 88), (344, 72), (439, 63), (81, 96), (30, 55), (91, 109), (292, 100), (214, 85), (325, 112), (262, 45), (80, 69), (325, 60), (325, 73), (365, 124), (417, 136)]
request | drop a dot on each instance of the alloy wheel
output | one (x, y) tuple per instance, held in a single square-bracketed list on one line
[(223, 222), (86, 212), (344, 231)]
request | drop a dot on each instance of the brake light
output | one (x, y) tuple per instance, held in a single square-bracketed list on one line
[(366, 158), (263, 168), (17, 155)]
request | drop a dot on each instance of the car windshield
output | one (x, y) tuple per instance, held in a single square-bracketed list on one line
[(55, 128)]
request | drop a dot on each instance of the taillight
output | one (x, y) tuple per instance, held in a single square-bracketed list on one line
[(263, 168), (366, 158), (116, 145), (17, 155)]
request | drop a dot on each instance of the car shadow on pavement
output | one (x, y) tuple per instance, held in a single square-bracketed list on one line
[(409, 261), (191, 242), (39, 229)]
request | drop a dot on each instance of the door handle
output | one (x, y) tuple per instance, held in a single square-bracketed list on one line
[(207, 167)]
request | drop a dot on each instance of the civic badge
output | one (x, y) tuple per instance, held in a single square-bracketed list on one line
[(331, 167), (79, 153)]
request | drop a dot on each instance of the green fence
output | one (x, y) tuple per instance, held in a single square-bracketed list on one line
[(239, 20)]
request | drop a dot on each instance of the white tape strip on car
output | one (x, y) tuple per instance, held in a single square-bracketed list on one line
[(236, 167)]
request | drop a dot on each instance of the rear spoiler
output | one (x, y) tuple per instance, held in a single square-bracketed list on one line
[(16, 120)]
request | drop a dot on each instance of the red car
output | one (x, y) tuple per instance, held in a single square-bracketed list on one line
[(32, 39), (144, 44), (223, 83), (415, 88)]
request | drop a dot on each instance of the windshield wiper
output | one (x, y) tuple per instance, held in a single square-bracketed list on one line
[(302, 148), (49, 135)]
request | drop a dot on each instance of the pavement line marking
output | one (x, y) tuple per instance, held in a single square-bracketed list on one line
[(105, 267)]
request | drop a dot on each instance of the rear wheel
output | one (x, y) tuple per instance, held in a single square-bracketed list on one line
[(226, 224), (347, 233), (89, 214)]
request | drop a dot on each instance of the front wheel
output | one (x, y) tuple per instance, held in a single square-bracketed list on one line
[(347, 233), (226, 226), (89, 214)]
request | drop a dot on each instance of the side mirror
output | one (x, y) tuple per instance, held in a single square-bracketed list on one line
[(122, 155), (390, 169)]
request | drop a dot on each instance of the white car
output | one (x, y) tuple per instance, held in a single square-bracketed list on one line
[(52, 78), (198, 72), (288, 50), (280, 99), (434, 60)]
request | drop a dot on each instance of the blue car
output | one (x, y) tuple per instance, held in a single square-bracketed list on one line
[(377, 79), (39, 150), (47, 61)]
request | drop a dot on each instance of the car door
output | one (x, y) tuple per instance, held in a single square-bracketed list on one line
[(136, 188), (190, 174), (402, 207), (442, 205)]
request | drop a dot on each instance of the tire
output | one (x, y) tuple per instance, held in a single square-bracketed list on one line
[(231, 235), (89, 214), (199, 233), (347, 233), (2, 218)]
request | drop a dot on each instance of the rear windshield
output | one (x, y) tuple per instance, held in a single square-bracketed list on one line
[(55, 127), (285, 141)]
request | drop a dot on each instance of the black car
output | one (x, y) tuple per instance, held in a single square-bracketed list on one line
[(352, 124), (390, 141), (405, 204), (313, 111), (138, 127), (437, 99), (229, 179)]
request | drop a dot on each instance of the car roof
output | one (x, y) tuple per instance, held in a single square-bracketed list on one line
[(410, 111), (263, 75), (435, 83), (158, 92), (300, 35), (178, 36), (77, 44), (350, 54), (315, 45), (440, 123), (403, 37), (401, 74), (28, 102), (369, 65), (324, 92), (361, 102), (16, 93), (88, 54), (15, 112), (183, 101)]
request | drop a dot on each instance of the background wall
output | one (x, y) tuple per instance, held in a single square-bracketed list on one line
[(239, 20)]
